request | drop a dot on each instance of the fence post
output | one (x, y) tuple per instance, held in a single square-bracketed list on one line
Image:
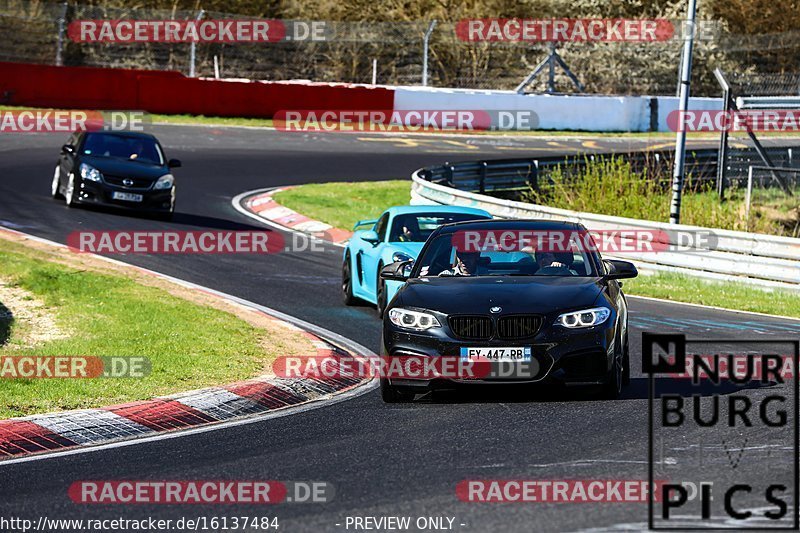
[(425, 41), (484, 166), (193, 47), (62, 19), (748, 197)]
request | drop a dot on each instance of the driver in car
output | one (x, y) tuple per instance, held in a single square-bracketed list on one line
[(548, 259), (466, 265)]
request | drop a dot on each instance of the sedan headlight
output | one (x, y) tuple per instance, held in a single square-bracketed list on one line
[(400, 256), (416, 320), (90, 173), (585, 318), (165, 182)]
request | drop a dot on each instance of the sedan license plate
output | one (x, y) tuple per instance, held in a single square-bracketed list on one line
[(497, 354), (127, 196)]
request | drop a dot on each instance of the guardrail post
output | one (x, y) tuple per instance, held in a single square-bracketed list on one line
[(484, 165), (449, 173), (533, 175)]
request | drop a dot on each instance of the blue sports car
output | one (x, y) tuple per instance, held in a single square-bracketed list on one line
[(398, 235)]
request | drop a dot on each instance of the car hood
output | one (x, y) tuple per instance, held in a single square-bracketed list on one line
[(515, 294), (409, 248), (121, 167)]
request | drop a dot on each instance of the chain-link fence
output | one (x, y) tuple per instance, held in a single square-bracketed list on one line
[(35, 31)]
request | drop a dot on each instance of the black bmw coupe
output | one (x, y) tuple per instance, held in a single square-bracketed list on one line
[(116, 169), (529, 297)]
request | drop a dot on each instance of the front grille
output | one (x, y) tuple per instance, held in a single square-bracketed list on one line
[(518, 326), (138, 183), (472, 327)]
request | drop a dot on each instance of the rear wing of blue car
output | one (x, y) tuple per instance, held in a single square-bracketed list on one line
[(364, 223)]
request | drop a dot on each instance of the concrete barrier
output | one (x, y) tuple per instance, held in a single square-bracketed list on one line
[(557, 112)]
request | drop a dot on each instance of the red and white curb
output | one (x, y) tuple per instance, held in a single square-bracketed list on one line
[(261, 205), (252, 399)]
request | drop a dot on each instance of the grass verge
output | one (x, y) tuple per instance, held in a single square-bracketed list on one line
[(609, 186), (341, 204), (728, 295), (189, 345)]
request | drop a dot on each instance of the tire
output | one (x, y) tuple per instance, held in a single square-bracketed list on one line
[(390, 394), (347, 283), (614, 381), (380, 297), (69, 194), (55, 185)]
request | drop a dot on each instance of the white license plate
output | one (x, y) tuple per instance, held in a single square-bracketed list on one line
[(127, 196), (497, 354)]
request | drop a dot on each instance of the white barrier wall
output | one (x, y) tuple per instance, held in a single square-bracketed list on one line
[(556, 112), (750, 258)]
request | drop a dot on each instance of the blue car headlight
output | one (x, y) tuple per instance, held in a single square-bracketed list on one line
[(585, 318), (90, 173)]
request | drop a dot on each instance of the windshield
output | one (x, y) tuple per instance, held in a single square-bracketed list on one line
[(443, 258), (142, 149), (417, 227)]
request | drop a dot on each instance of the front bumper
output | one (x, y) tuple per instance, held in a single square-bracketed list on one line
[(101, 194), (559, 355)]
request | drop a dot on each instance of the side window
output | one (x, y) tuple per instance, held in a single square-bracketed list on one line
[(381, 226)]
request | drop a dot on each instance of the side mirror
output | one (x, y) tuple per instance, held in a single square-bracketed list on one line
[(174, 163), (68, 149), (370, 236), (620, 269), (399, 271)]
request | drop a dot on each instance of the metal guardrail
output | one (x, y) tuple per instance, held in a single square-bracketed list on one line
[(520, 174), (768, 102), (507, 175), (752, 258)]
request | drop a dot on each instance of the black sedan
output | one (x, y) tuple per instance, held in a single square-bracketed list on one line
[(118, 169), (543, 303)]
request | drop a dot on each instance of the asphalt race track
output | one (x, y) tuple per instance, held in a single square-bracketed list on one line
[(383, 460)]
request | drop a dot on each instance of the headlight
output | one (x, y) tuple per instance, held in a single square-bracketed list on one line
[(408, 319), (90, 173), (400, 256), (585, 318), (165, 182)]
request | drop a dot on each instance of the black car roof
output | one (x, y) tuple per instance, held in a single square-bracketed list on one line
[(511, 224), (139, 134)]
